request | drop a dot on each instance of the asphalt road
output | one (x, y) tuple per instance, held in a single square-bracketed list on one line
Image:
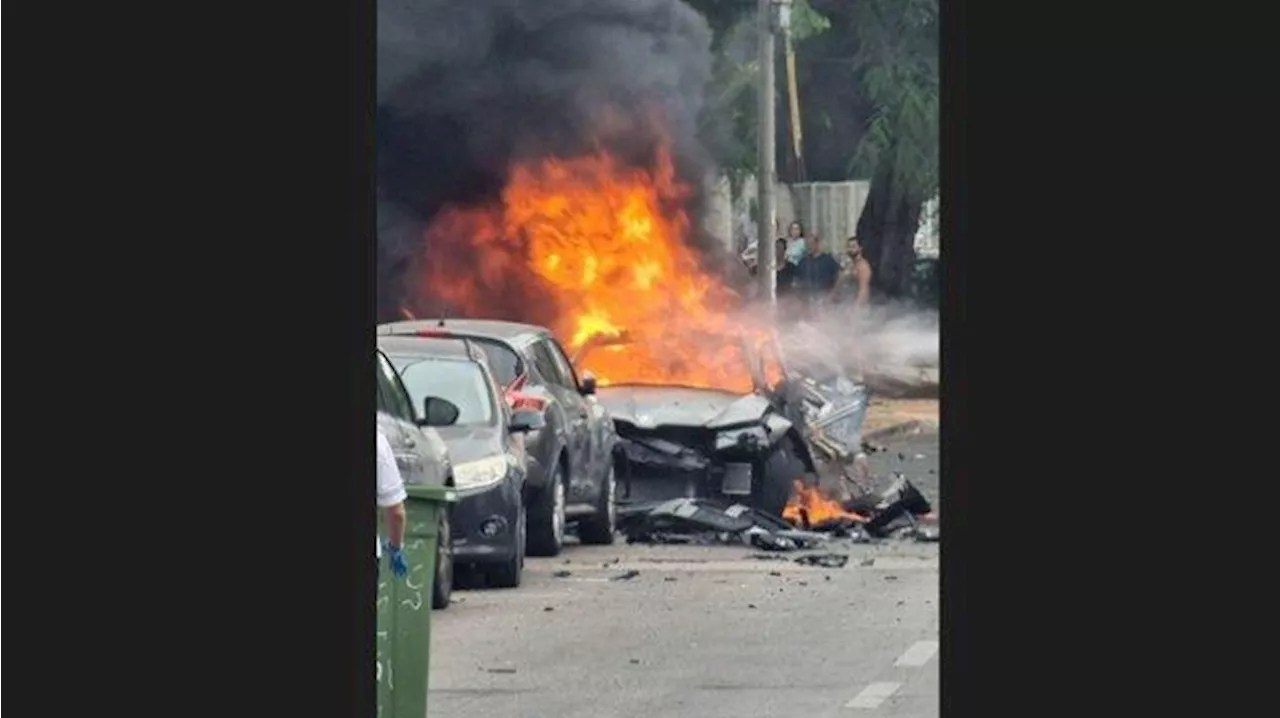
[(701, 631)]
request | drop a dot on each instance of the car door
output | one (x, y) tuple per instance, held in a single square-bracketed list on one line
[(409, 454), (597, 446), (576, 415), (387, 424), (579, 414)]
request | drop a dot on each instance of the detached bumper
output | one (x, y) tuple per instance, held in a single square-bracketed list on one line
[(484, 525)]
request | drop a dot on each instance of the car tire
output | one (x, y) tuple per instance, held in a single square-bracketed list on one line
[(442, 585), (546, 515), (597, 529), (509, 573), (781, 470)]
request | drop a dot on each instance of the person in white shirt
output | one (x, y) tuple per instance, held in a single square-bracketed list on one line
[(391, 496)]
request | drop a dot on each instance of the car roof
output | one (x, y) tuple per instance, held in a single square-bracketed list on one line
[(440, 348), (511, 332)]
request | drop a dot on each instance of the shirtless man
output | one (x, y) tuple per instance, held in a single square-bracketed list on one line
[(855, 271)]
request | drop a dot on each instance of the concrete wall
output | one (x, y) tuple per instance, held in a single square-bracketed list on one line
[(743, 212), (717, 217), (831, 209)]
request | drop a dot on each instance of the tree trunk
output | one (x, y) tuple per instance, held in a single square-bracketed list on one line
[(887, 234)]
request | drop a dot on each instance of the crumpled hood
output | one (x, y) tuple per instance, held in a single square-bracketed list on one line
[(648, 407)]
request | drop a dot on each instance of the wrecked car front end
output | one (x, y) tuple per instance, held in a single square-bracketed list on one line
[(680, 442)]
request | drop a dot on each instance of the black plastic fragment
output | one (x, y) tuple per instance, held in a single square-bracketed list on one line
[(826, 560)]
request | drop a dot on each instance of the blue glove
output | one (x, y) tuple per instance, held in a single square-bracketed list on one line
[(399, 566)]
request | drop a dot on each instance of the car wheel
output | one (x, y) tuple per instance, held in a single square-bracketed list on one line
[(442, 585), (546, 516), (598, 528), (781, 471), (508, 574)]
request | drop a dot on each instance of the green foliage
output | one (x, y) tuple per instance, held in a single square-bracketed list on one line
[(897, 65), (806, 22), (729, 117)]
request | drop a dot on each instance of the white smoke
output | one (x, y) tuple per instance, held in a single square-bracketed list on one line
[(892, 340)]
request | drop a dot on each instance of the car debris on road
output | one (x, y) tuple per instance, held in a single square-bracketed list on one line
[(706, 521)]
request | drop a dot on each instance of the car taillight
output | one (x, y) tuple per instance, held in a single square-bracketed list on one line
[(432, 333), (525, 401)]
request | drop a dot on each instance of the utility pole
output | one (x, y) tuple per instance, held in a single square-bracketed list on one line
[(766, 130)]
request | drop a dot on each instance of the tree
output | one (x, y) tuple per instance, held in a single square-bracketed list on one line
[(869, 92), (896, 63), (729, 118)]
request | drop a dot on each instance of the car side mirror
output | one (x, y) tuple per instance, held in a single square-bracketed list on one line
[(437, 411), (587, 384), (525, 420)]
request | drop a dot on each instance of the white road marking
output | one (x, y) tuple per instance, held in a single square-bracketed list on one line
[(918, 654), (873, 695)]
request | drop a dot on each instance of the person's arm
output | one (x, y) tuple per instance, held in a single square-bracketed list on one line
[(395, 525), (391, 492), (862, 272), (834, 268)]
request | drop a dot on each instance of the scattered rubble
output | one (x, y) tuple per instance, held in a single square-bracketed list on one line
[(625, 576), (708, 521), (826, 560)]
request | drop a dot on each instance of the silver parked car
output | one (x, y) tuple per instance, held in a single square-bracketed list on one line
[(422, 457)]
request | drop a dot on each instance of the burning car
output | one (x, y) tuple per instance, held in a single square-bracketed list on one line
[(707, 441)]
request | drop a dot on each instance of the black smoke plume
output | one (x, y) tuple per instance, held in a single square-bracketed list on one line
[(467, 86)]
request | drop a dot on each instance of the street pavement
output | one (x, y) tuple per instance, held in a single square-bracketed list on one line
[(703, 631)]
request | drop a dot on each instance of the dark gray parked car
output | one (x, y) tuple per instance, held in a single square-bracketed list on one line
[(571, 460), (451, 381), (422, 458)]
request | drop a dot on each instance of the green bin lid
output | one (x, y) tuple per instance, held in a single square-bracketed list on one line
[(443, 494)]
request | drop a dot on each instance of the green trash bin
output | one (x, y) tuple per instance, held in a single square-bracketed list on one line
[(403, 635)]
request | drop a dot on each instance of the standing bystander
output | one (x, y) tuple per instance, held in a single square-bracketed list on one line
[(855, 273), (390, 498), (816, 274), (786, 271)]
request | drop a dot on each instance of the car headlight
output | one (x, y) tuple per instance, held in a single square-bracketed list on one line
[(751, 437), (481, 474)]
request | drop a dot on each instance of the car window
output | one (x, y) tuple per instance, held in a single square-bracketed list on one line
[(461, 382), (504, 362), (393, 392), (565, 368), (545, 365), (383, 405)]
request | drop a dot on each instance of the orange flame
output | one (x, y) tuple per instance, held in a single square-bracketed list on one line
[(593, 249), (809, 501)]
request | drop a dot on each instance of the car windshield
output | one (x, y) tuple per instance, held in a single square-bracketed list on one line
[(461, 382)]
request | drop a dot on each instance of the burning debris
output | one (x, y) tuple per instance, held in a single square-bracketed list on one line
[(704, 521)]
